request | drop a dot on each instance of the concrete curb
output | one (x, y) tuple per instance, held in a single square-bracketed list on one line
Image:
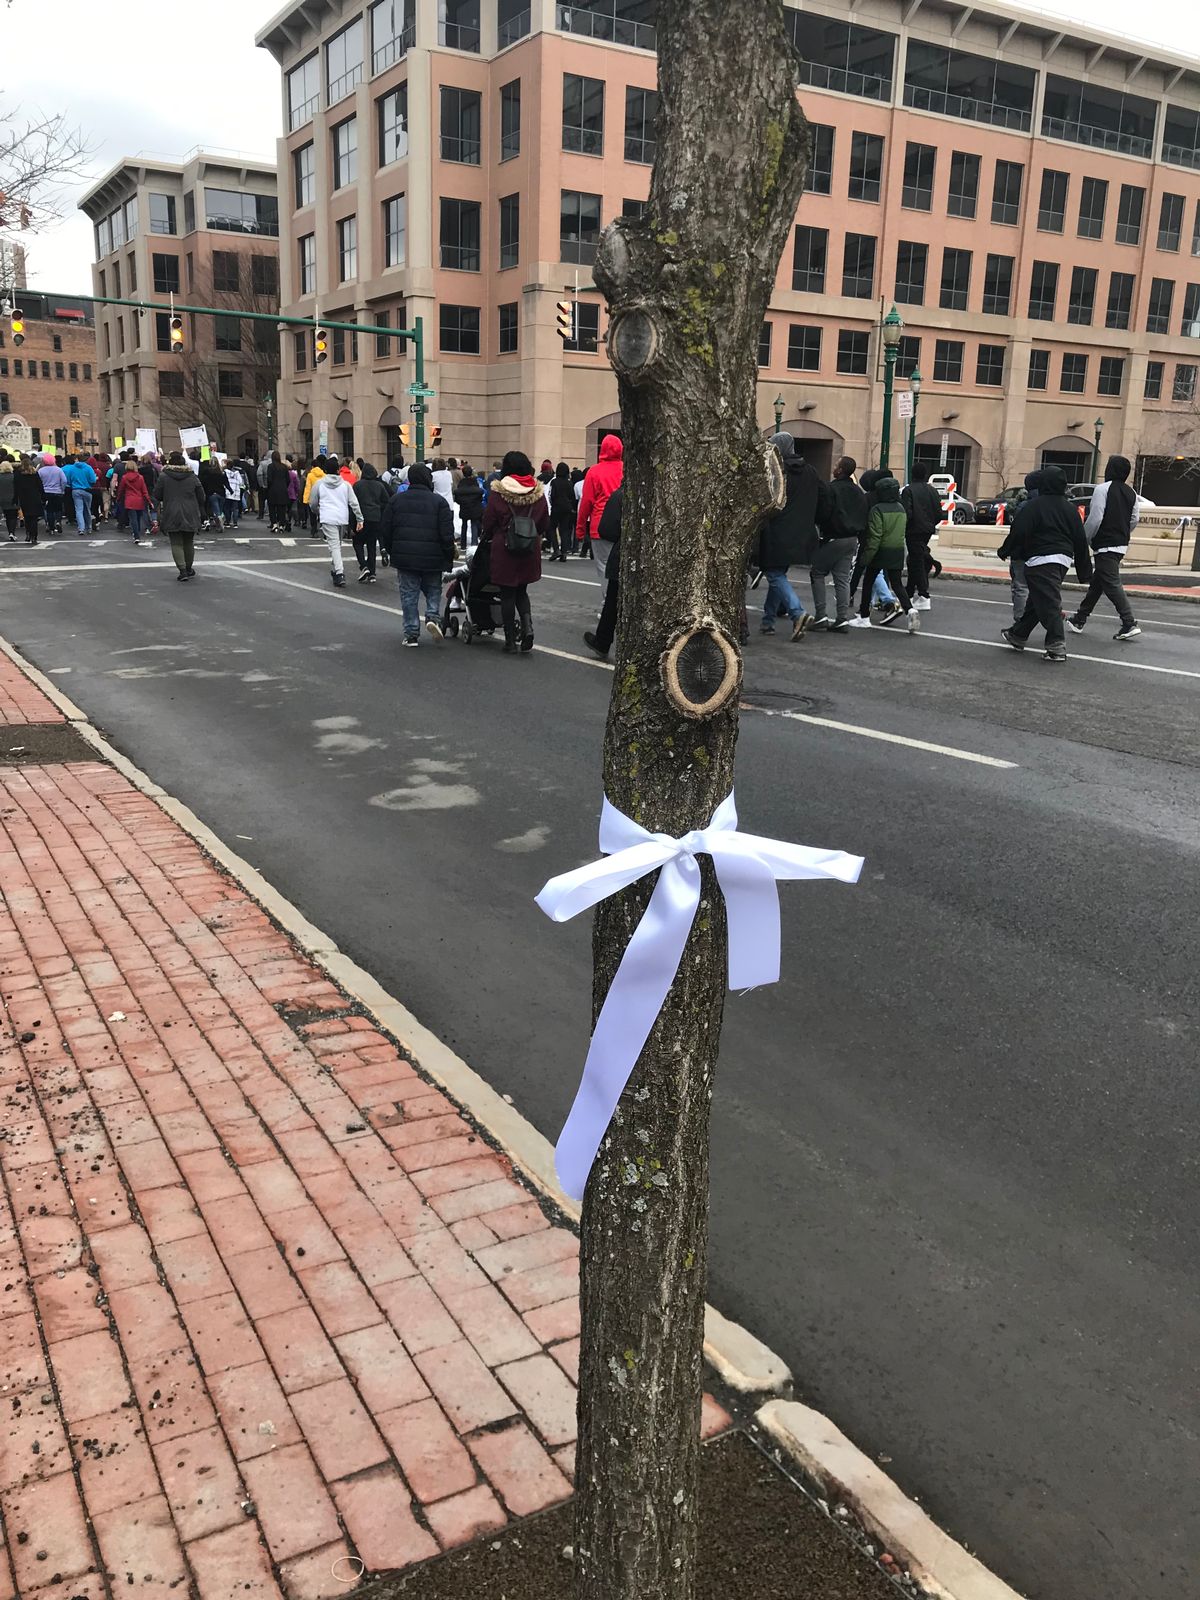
[(845, 1476), (820, 1451), (1148, 591)]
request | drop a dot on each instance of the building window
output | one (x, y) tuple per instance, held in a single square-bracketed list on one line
[(804, 348), (73, 371), (1093, 199), (579, 228), (956, 280), (299, 352), (232, 211), (226, 272), (1052, 207), (1190, 326), (583, 114), (56, 341), (344, 142), (264, 276), (344, 62), (166, 274), (809, 252), (508, 329), (338, 353), (841, 55), (1006, 193), (1043, 291), (964, 184), (911, 262), (162, 330), (304, 174), (908, 356), (641, 110), (191, 272), (1158, 315), (510, 120), (46, 368), (116, 276), (975, 88), (1073, 378), (132, 288), (997, 286), (229, 383), (989, 366), (393, 126), (513, 21), (1129, 214), (458, 24), (227, 334), (1081, 302), (462, 116), (103, 289), (162, 213), (395, 230), (1170, 221), (346, 442), (858, 266), (170, 385), (819, 177), (383, 344), (1112, 375), (87, 372), (866, 166), (307, 256), (919, 165), (764, 345), (852, 350), (1183, 386), (347, 246), (392, 33), (304, 93), (458, 330), (1152, 388), (1120, 300), (189, 211), (459, 234), (510, 231), (948, 361), (586, 322), (1086, 113)]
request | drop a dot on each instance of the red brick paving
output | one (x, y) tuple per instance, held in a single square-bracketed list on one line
[(263, 1339)]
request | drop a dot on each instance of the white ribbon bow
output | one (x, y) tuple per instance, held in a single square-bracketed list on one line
[(747, 869)]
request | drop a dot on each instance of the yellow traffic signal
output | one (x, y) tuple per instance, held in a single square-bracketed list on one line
[(566, 320), (176, 329), (320, 346), (405, 435), (18, 327), (435, 438)]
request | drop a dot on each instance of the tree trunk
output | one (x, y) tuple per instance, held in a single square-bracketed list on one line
[(687, 287)]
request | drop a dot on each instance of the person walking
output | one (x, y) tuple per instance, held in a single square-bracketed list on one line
[(600, 481), (468, 495), (335, 506), (81, 480), (564, 509), (418, 531), (99, 465), (54, 487), (610, 529), (134, 498), (212, 481), (789, 537), (261, 474), (842, 525), (1016, 567), (276, 487), (30, 497), (514, 523), (1047, 535), (316, 472), (9, 508), (923, 509), (1111, 519), (235, 488), (181, 505), (887, 525), (374, 497)]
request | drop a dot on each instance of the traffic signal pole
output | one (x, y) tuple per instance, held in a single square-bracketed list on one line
[(419, 407)]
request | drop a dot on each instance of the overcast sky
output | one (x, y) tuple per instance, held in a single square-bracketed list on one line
[(173, 76)]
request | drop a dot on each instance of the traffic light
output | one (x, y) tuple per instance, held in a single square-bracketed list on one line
[(566, 320), (18, 327), (405, 435), (176, 327), (435, 437), (320, 346)]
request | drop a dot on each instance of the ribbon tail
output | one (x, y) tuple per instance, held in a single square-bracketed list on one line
[(630, 1010)]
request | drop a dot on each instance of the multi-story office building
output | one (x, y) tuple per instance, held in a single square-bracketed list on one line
[(206, 231), (48, 383), (1026, 191)]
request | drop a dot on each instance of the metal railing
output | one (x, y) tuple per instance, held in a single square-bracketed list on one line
[(515, 28), (459, 36), (510, 145), (1130, 144), (967, 109), (842, 80), (304, 113), (394, 49), (600, 25), (1181, 155), (346, 84)]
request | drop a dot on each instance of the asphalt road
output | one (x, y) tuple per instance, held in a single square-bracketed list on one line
[(954, 1178)]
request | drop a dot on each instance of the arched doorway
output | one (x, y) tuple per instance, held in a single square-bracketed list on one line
[(817, 443), (389, 426), (343, 435), (1071, 453), (949, 450), (600, 429)]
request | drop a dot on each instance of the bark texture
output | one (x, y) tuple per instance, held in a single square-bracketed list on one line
[(687, 287)]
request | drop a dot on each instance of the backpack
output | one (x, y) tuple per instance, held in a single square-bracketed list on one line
[(521, 535)]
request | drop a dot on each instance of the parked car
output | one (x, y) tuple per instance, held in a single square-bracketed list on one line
[(1002, 507), (1080, 496)]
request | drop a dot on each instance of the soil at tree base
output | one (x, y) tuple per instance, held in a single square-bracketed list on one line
[(760, 1537)]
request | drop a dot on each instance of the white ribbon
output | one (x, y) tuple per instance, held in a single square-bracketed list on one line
[(748, 868)]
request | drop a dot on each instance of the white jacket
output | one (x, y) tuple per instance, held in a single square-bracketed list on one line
[(334, 501)]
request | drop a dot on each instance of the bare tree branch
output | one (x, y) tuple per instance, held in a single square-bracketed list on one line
[(39, 153)]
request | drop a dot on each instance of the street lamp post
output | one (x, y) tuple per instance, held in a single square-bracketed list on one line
[(893, 327), (779, 405), (269, 408), (914, 385), (1099, 425)]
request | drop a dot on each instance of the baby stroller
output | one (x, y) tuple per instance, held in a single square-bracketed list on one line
[(470, 601)]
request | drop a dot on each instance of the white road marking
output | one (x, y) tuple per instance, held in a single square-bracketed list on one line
[(169, 566), (288, 542), (978, 600), (1074, 655)]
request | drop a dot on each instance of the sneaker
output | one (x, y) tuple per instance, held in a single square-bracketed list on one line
[(1054, 655), (363, 575), (1131, 632), (181, 577), (433, 629), (411, 644), (890, 613), (922, 603), (593, 643), (821, 625), (1007, 635), (370, 577), (800, 626), (843, 624), (859, 622), (914, 622), (526, 643), (191, 572), (1076, 623), (766, 630), (339, 580)]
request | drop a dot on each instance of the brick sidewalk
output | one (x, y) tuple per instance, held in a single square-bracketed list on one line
[(266, 1299)]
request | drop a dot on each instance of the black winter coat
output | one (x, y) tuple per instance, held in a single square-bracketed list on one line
[(923, 506), (469, 495), (790, 536), (277, 484), (418, 530), (179, 500), (843, 511), (1049, 526), (374, 497), (31, 497)]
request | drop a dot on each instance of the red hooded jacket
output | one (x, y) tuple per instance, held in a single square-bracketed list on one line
[(601, 481)]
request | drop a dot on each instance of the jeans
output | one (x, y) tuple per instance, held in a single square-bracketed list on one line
[(233, 510), (917, 545), (83, 509), (331, 532), (1107, 580), (137, 522), (412, 586), (54, 512), (782, 599), (895, 573), (216, 508), (1020, 589), (834, 558), (881, 594), (183, 550), (1044, 604), (366, 543)]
